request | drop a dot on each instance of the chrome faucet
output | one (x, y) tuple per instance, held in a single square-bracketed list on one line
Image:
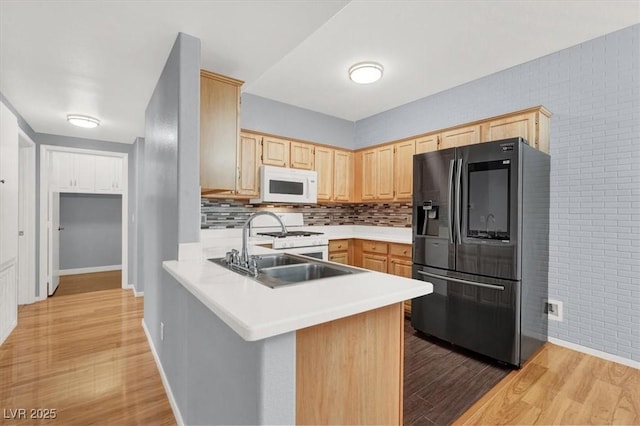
[(242, 260)]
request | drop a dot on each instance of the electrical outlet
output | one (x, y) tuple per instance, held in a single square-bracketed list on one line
[(553, 309), (161, 331)]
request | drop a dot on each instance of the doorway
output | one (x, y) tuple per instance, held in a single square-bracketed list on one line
[(88, 241), (50, 226), (26, 219)]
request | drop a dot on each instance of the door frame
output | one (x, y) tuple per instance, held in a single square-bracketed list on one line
[(27, 211), (45, 210)]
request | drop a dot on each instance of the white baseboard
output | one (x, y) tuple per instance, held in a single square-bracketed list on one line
[(89, 270), (594, 352), (8, 331), (136, 293), (165, 381)]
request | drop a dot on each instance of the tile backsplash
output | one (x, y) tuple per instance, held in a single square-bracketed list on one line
[(217, 213)]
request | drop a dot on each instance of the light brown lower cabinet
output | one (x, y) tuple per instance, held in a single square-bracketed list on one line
[(340, 251), (374, 262), (391, 258), (350, 371), (341, 257), (403, 268)]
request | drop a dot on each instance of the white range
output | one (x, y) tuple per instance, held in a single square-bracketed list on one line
[(296, 240)]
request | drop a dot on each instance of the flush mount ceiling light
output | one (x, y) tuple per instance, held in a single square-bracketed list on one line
[(83, 121), (365, 72)]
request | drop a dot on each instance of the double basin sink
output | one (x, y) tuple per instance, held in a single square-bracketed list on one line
[(282, 269)]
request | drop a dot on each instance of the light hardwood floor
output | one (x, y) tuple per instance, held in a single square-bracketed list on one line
[(87, 357), (84, 283), (560, 386)]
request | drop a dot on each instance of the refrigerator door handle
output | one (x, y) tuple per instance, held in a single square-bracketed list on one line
[(451, 216), (458, 280), (458, 220)]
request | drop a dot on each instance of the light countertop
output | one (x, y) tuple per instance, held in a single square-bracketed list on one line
[(256, 312)]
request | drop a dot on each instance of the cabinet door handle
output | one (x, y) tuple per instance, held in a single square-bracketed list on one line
[(1, 180)]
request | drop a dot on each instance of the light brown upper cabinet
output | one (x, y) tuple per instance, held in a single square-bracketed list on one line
[(460, 136), (249, 150), (385, 173), (301, 155), (342, 174), (324, 166), (369, 160), (532, 125), (403, 180), (377, 173), (427, 143), (335, 168), (219, 132), (275, 151), (381, 173)]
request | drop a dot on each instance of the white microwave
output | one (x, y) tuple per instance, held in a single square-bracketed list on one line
[(283, 185)]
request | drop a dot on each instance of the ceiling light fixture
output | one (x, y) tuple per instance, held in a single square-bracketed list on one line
[(83, 121), (365, 72)]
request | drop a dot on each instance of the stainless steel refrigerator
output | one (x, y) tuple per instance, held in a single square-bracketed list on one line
[(481, 237)]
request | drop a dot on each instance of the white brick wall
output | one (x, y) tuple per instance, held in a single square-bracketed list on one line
[(593, 91)]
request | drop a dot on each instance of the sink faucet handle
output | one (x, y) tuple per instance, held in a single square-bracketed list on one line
[(253, 265), (232, 257)]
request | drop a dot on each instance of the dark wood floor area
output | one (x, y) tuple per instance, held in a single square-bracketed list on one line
[(442, 381), (85, 283)]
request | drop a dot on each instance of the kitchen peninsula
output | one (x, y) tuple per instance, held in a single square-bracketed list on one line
[(327, 351)]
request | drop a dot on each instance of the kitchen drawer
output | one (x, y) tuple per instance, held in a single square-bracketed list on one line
[(400, 250), (338, 245), (375, 247)]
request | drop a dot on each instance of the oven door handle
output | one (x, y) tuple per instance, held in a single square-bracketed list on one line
[(458, 280)]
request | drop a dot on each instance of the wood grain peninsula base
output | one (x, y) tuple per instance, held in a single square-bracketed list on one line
[(349, 371)]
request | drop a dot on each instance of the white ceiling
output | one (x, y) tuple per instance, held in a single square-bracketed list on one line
[(104, 58)]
